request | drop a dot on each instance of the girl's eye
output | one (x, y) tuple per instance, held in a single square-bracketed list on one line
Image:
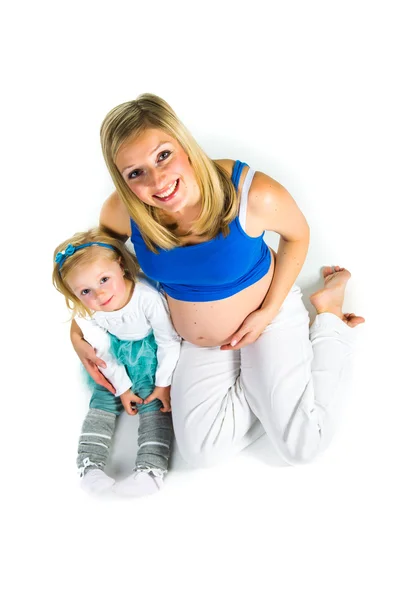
[(104, 279), (165, 154), (85, 292), (134, 174)]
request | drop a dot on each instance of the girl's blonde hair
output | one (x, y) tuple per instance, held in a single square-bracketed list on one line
[(218, 195), (85, 256)]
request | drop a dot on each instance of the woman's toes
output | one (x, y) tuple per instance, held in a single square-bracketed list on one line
[(352, 320), (327, 271)]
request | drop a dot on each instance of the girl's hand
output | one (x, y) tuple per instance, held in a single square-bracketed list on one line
[(162, 394), (91, 362), (129, 401), (251, 329)]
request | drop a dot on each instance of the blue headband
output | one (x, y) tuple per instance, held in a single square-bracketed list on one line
[(61, 257)]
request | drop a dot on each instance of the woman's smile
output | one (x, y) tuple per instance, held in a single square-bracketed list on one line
[(168, 193)]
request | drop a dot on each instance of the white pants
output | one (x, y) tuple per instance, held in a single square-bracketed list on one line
[(293, 381)]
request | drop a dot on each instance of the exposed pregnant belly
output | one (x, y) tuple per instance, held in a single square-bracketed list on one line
[(213, 323)]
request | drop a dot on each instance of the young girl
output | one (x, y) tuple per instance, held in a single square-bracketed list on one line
[(98, 277)]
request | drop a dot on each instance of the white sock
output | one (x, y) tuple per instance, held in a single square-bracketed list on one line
[(96, 481), (140, 483)]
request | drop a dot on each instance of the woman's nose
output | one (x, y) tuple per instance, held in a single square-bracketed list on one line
[(157, 180)]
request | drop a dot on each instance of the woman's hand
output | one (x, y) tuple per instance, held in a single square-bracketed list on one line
[(91, 362), (129, 401), (251, 328), (163, 394)]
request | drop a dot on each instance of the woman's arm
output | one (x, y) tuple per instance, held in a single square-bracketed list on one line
[(89, 359), (271, 207)]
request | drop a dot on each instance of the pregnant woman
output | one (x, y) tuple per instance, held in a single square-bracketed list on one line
[(249, 361)]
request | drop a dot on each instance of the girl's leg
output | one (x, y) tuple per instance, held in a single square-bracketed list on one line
[(155, 427), (297, 381), (94, 449), (211, 416), (95, 440), (155, 438)]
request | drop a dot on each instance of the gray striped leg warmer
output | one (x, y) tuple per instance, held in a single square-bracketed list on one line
[(155, 438), (95, 440)]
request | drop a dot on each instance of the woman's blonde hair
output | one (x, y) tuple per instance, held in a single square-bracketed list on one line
[(218, 195), (83, 256)]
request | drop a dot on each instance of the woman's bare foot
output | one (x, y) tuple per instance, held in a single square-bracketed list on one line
[(330, 297)]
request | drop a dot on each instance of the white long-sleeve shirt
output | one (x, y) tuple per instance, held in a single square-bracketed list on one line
[(146, 311)]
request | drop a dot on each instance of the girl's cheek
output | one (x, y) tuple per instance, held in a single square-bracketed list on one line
[(87, 303)]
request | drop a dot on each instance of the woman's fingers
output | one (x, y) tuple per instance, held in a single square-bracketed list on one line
[(236, 339), (97, 376), (100, 363), (245, 341)]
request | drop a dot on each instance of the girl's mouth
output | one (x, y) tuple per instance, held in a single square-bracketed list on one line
[(169, 193), (107, 301)]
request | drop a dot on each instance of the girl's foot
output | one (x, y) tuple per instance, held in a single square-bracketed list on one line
[(140, 483), (330, 297), (96, 481)]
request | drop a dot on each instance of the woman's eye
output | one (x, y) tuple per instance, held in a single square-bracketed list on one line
[(165, 154), (134, 174), (85, 292), (104, 279)]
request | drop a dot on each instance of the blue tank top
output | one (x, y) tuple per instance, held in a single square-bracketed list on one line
[(210, 270)]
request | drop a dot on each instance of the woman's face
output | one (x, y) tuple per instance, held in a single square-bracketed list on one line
[(156, 168)]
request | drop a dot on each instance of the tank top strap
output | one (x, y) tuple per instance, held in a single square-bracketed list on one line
[(244, 197)]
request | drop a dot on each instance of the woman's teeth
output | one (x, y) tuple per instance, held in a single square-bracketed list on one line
[(168, 192)]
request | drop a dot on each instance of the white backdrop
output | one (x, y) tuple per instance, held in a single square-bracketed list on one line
[(304, 91)]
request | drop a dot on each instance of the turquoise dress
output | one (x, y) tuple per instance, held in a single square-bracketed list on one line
[(139, 357)]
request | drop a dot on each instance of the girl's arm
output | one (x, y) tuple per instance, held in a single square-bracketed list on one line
[(168, 341), (120, 382), (99, 339)]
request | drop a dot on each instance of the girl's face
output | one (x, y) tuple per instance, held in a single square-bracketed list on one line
[(100, 285), (156, 168)]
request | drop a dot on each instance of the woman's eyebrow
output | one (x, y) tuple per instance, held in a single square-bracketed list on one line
[(151, 152)]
